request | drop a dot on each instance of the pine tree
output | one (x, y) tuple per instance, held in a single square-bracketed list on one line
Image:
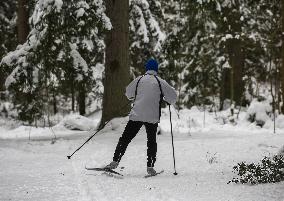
[(62, 49), (282, 55), (190, 61), (22, 21), (146, 35), (144, 41), (8, 38), (219, 47)]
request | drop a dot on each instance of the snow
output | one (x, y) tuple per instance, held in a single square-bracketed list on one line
[(280, 121), (47, 4), (259, 111), (142, 30), (58, 4), (205, 153), (80, 12), (101, 13), (226, 37), (78, 61), (89, 44), (11, 78), (226, 65), (77, 122), (143, 23)]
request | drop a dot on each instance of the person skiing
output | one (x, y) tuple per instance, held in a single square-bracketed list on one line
[(146, 92)]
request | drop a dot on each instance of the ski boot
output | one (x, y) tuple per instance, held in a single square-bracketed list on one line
[(151, 171), (112, 165)]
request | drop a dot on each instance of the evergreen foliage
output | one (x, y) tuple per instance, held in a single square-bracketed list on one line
[(211, 51), (146, 35), (59, 56), (8, 37), (269, 170), (7, 26), (210, 45)]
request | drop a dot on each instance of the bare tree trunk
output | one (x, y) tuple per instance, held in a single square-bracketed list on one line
[(73, 97), (236, 62), (82, 99), (23, 21), (54, 103), (117, 70), (271, 79), (233, 86), (282, 55), (2, 81), (225, 89)]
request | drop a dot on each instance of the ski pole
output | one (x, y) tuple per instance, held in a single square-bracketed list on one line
[(175, 173), (69, 157)]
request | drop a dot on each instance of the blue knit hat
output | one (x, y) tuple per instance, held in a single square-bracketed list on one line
[(152, 64)]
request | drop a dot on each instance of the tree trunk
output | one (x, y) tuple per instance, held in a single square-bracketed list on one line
[(54, 103), (225, 89), (73, 97), (82, 99), (2, 81), (236, 62), (233, 86), (23, 21), (117, 70), (282, 55)]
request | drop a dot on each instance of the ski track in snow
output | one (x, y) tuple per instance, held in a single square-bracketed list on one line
[(193, 182), (132, 186), (85, 193), (82, 184), (38, 170), (34, 171)]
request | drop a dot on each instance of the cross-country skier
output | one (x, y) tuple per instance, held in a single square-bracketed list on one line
[(147, 92)]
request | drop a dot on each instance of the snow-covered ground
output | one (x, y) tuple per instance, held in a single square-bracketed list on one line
[(37, 169)]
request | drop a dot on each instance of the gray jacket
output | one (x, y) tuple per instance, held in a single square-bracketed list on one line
[(146, 105)]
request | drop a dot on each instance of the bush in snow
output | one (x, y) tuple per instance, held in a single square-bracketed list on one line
[(281, 152), (77, 122), (7, 110), (270, 170), (259, 112), (280, 121)]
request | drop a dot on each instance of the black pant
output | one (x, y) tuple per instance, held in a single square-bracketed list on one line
[(130, 132)]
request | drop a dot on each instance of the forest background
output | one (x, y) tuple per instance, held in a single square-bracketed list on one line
[(60, 57)]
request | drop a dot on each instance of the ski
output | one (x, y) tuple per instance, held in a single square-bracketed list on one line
[(106, 170), (150, 175), (110, 171)]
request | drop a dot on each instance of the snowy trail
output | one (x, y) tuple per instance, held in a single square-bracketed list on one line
[(39, 170), (34, 171), (198, 179), (87, 194)]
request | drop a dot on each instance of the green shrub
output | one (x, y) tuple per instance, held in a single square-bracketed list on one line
[(270, 170)]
